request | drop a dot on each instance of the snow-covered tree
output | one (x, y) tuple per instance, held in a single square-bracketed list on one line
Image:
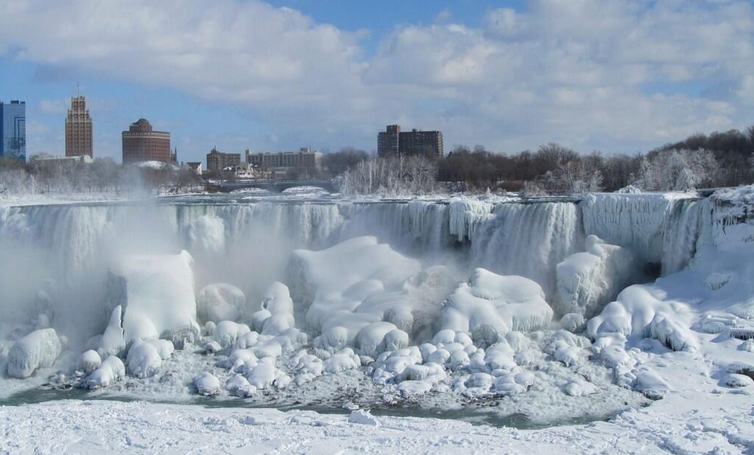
[(677, 170)]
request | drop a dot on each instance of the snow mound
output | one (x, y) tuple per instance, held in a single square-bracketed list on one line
[(159, 295), (363, 417), (39, 349), (587, 281), (220, 302), (495, 304)]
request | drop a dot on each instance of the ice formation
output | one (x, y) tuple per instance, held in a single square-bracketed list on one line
[(145, 357), (491, 305), (406, 327), (343, 279), (111, 369), (587, 281), (220, 302), (39, 349), (159, 294), (113, 341)]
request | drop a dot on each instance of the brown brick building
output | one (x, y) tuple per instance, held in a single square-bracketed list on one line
[(141, 143), (394, 142), (217, 161), (78, 129)]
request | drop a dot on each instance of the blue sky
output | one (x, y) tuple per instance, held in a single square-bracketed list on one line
[(610, 75)]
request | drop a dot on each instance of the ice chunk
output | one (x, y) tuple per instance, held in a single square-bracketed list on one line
[(112, 369), (220, 302), (159, 291), (39, 349), (207, 384), (580, 388), (498, 303), (363, 417)]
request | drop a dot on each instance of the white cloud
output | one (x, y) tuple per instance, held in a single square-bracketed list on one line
[(575, 71)]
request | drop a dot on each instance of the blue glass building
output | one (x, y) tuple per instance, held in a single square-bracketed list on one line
[(13, 130)]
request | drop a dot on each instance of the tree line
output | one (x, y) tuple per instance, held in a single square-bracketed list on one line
[(700, 161)]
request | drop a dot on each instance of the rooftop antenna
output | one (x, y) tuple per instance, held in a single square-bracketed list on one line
[(78, 92)]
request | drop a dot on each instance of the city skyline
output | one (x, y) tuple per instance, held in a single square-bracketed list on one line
[(510, 76)]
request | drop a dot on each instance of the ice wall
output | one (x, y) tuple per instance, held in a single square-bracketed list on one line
[(250, 244), (657, 227)]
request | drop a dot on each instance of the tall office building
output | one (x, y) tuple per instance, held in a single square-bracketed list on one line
[(78, 129), (141, 143), (13, 130), (393, 142)]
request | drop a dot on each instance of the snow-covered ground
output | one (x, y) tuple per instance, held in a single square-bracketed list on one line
[(681, 424), (539, 312)]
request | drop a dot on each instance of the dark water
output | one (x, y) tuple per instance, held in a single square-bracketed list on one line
[(475, 416)]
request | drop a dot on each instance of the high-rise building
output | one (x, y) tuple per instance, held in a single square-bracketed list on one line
[(388, 142), (13, 130), (393, 142), (78, 129), (217, 161), (141, 143)]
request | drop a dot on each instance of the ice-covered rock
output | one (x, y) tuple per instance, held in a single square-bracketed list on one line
[(145, 357), (589, 280), (573, 322), (89, 361), (641, 311), (737, 380), (39, 349), (239, 386), (496, 304), (342, 361), (220, 302), (267, 374), (159, 294), (227, 332), (207, 384), (111, 369)]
